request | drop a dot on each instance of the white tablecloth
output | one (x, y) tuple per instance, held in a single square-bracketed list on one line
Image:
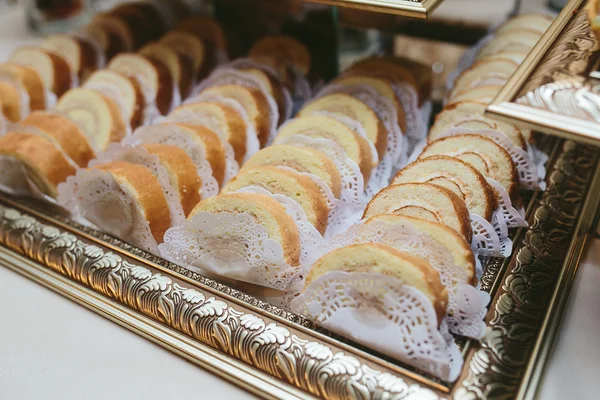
[(53, 348)]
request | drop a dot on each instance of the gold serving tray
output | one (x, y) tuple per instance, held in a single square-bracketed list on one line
[(408, 8), (277, 354), (552, 90)]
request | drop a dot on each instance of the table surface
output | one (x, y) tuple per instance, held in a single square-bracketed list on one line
[(55, 348)]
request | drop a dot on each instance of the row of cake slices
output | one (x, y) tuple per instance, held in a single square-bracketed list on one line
[(307, 161), (449, 181), (86, 119), (164, 169), (36, 75), (487, 68), (210, 123), (53, 145)]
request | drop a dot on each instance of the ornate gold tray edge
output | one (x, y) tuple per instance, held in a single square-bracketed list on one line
[(275, 354), (408, 8), (556, 66)]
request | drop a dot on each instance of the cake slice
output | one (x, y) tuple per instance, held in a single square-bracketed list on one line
[(140, 26), (30, 79), (453, 174), (212, 36), (78, 52), (481, 152), (455, 244), (96, 115), (186, 45), (219, 118), (145, 12), (385, 260), (155, 79), (323, 126), (522, 39), (482, 71), (285, 49), (532, 21), (52, 68), (143, 187), (395, 71), (183, 174), (266, 212), (180, 67), (119, 34), (481, 94), (302, 159), (66, 133), (422, 200), (211, 144), (470, 115), (345, 105), (46, 165), (383, 87), (253, 101), (127, 89), (13, 99), (289, 183)]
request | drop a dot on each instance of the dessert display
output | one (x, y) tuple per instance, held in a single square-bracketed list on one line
[(343, 200)]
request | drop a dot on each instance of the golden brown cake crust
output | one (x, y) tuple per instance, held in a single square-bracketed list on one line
[(40, 156), (62, 74), (262, 117), (31, 80), (284, 48), (287, 228), (148, 193), (65, 132), (236, 125), (182, 166), (215, 154)]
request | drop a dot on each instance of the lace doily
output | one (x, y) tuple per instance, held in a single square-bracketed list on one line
[(409, 99), (140, 156), (189, 117), (252, 144), (352, 193), (486, 242), (225, 76), (384, 314), (171, 134), (513, 218), (235, 246), (97, 197), (464, 314)]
